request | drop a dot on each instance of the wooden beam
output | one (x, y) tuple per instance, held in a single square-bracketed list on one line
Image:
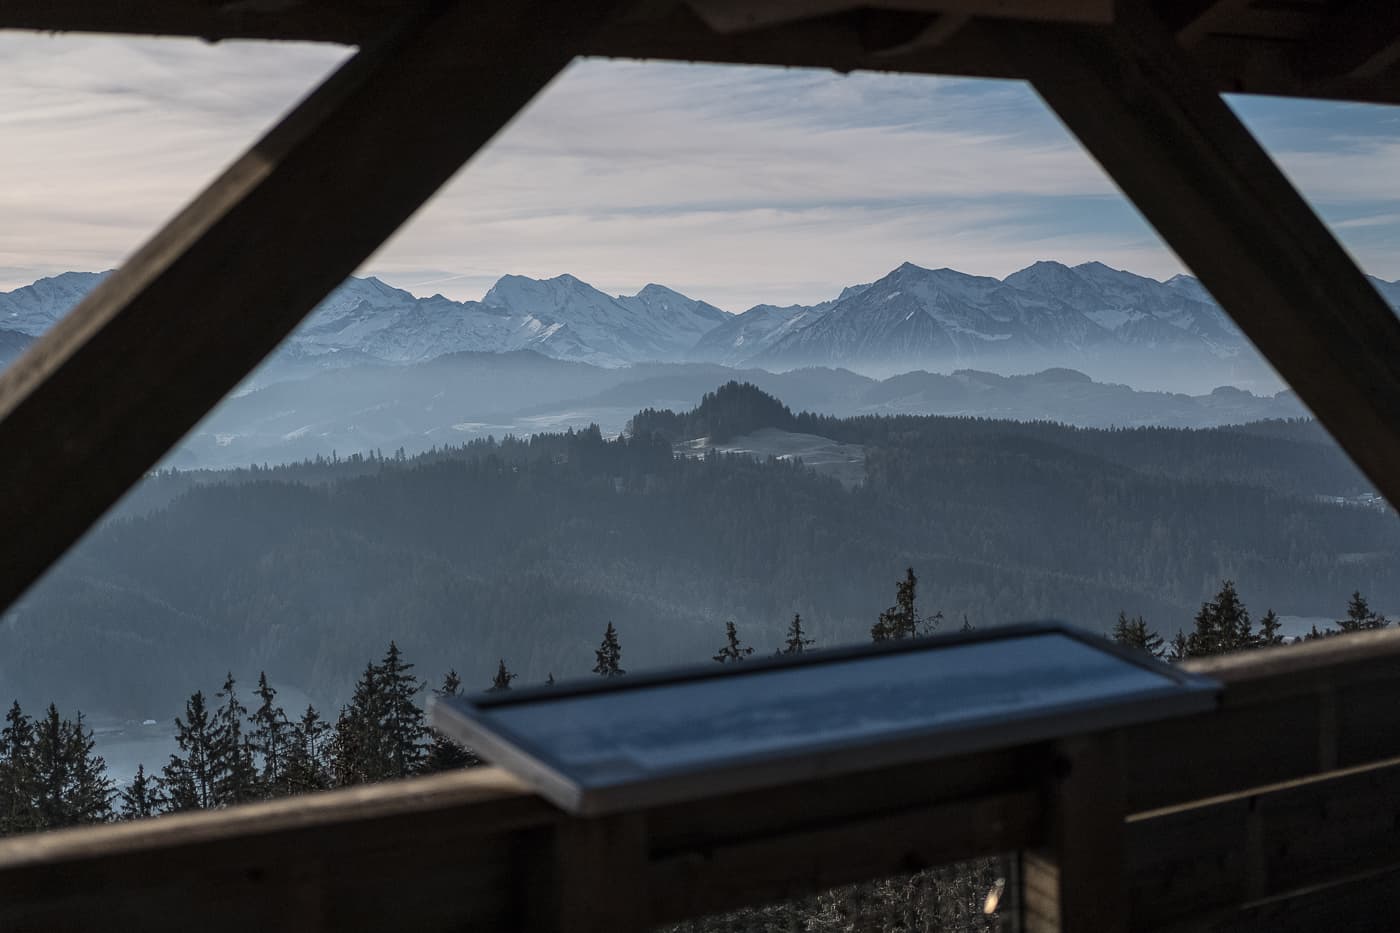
[(727, 875), (1188, 164), (740, 15), (442, 853), (344, 21), (1199, 24), (1360, 41), (1075, 880), (97, 400)]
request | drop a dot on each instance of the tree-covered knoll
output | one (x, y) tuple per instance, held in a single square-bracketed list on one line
[(522, 549)]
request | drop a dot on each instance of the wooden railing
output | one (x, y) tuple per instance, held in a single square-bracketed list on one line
[(1280, 811)]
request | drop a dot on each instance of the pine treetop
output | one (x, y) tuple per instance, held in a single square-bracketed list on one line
[(797, 640), (609, 655), (733, 650)]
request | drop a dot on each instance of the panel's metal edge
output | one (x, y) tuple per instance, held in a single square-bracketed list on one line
[(705, 671)]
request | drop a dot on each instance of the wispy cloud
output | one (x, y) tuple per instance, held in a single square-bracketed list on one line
[(735, 185)]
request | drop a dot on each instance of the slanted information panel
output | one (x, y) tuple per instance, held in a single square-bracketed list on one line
[(637, 741)]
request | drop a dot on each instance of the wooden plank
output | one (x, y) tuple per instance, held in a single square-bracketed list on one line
[(449, 846), (1287, 713), (1215, 859), (1183, 157), (1367, 902), (740, 15), (763, 814), (726, 876), (99, 398)]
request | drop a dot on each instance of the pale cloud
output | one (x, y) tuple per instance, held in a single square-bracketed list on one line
[(735, 185)]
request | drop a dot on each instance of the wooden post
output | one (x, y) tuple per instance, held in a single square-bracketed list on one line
[(1164, 135), (1077, 883), (598, 881), (105, 393)]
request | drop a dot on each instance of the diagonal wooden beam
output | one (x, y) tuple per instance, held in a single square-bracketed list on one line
[(1195, 172), (117, 382)]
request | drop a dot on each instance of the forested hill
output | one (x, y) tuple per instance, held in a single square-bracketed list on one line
[(523, 550)]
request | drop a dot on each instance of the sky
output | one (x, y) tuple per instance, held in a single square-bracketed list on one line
[(734, 185)]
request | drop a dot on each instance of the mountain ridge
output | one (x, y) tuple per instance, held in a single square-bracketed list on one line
[(911, 317)]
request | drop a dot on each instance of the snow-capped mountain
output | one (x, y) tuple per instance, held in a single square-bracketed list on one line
[(742, 336), (912, 317), (366, 320), (918, 315), (33, 309)]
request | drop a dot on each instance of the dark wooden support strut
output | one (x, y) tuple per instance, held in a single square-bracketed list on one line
[(1076, 881), (117, 382), (1216, 197)]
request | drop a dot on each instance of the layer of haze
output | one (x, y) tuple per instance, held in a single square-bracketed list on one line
[(736, 185)]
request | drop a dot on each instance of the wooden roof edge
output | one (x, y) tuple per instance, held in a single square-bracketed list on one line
[(1352, 55)]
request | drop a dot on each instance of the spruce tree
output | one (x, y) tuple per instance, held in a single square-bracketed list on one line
[(902, 620), (381, 733), (17, 783), (405, 730), (609, 655), (70, 781), (733, 651), (502, 679), (91, 792), (141, 798), (1269, 627), (447, 754), (306, 754), (797, 640), (188, 780), (1135, 634), (235, 776), (270, 740), (1222, 625), (1360, 617), (357, 755)]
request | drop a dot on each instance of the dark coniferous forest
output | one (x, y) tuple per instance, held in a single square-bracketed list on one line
[(522, 550)]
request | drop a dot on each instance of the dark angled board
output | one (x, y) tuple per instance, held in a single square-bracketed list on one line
[(697, 732), (1195, 172), (105, 393)]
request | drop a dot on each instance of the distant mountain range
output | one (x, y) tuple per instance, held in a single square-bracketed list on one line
[(462, 396), (913, 317)]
